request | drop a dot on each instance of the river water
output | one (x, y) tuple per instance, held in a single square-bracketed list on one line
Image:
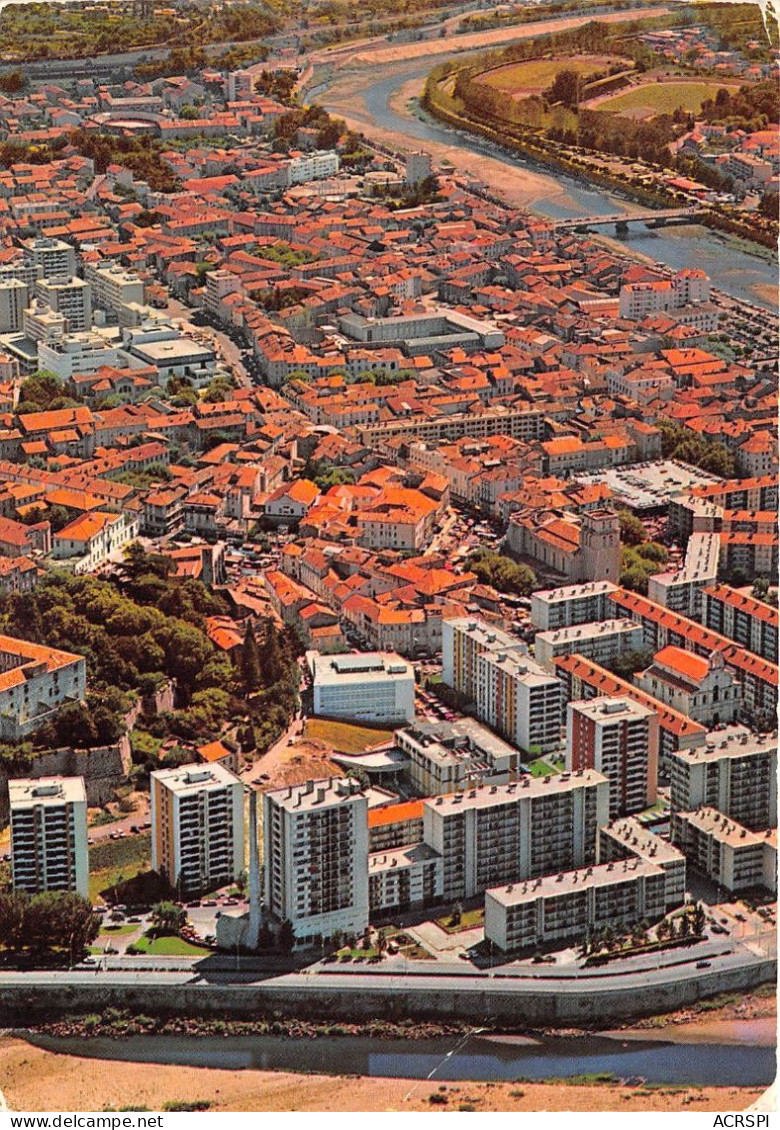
[(476, 1058), (730, 267)]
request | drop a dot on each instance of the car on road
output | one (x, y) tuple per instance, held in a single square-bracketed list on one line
[(703, 964)]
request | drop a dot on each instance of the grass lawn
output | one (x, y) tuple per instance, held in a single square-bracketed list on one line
[(115, 860), (662, 98), (169, 945), (542, 768), (344, 736), (121, 930), (469, 920), (536, 75)]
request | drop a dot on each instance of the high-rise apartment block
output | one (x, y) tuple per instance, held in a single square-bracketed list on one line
[(735, 773), (512, 693), (49, 834), (197, 827), (52, 258), (70, 297), (504, 833), (316, 857), (572, 604), (619, 738), (14, 296)]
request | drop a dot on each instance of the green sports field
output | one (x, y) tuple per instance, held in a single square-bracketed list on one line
[(536, 75), (655, 98)]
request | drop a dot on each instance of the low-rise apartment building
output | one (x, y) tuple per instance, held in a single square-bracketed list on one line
[(748, 622), (445, 757), (566, 906)]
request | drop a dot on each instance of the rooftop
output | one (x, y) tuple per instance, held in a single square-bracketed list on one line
[(569, 882), (25, 792), (528, 788)]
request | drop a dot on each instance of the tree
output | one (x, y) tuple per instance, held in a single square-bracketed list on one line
[(632, 530), (504, 574), (271, 661), (251, 674), (168, 918), (699, 920), (566, 88), (768, 205), (286, 937)]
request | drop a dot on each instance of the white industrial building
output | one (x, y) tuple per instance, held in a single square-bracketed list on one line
[(375, 687)]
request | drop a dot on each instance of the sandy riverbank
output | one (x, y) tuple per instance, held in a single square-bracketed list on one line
[(37, 1080)]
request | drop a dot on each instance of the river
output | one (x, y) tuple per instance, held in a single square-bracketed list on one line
[(476, 1058), (731, 268)]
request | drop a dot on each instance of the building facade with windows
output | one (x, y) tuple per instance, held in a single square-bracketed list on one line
[(197, 827), (316, 857), (49, 835)]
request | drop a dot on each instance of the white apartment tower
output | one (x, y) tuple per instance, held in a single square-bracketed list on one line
[(505, 833), (197, 827), (513, 694), (14, 296), (70, 297), (316, 857), (52, 258), (619, 738), (49, 834)]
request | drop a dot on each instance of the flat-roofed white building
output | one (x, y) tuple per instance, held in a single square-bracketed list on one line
[(197, 826), (599, 642), (373, 686), (572, 604), (316, 857), (627, 838), (619, 738), (555, 908), (503, 833), (49, 834), (730, 854), (735, 772)]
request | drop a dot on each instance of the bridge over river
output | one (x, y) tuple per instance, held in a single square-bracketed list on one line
[(658, 218)]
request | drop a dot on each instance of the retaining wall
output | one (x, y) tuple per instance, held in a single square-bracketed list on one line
[(484, 1002)]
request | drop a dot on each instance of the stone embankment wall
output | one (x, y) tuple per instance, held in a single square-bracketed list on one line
[(483, 1002), (103, 769)]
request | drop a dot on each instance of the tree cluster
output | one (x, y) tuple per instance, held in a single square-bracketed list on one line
[(639, 562), (44, 923), (502, 573), (678, 442)]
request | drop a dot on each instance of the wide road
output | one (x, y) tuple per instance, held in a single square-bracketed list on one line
[(400, 981)]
